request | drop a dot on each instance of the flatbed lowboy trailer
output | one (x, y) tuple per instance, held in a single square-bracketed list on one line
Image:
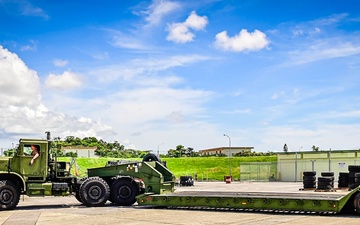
[(302, 201)]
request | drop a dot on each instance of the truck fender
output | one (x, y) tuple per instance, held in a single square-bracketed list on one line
[(15, 178)]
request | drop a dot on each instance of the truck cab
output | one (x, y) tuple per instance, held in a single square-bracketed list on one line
[(44, 177)]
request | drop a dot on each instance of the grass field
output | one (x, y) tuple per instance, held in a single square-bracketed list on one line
[(206, 168)]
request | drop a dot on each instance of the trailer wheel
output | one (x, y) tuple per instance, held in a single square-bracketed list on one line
[(357, 202), (9, 195), (151, 157), (123, 192), (94, 191)]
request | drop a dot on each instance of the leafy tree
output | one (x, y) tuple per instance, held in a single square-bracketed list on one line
[(314, 148)]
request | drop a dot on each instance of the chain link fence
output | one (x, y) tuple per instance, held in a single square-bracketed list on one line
[(258, 171)]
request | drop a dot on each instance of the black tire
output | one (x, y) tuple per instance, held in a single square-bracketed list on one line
[(357, 202), (123, 192), (354, 168), (77, 196), (327, 174), (309, 178), (324, 183), (309, 173), (309, 184), (343, 174), (343, 184), (94, 192), (151, 157), (324, 187), (9, 195), (325, 179)]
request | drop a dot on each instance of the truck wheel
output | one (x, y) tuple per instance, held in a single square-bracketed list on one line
[(357, 202), (9, 195), (123, 192), (94, 191), (151, 157)]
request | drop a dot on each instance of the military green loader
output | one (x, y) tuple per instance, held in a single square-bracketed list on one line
[(118, 182)]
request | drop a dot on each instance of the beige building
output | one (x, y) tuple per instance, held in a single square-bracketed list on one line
[(81, 151), (224, 151), (292, 165)]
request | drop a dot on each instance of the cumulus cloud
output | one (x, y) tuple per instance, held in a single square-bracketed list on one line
[(67, 80), (181, 33), (22, 109), (196, 22), (19, 85), (243, 42)]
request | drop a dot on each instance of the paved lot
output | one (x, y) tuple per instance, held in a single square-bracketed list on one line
[(66, 210)]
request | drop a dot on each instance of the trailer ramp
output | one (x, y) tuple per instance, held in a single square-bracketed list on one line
[(305, 201)]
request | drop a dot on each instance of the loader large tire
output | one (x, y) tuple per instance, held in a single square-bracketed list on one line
[(94, 191), (9, 195), (123, 192), (357, 202), (151, 157)]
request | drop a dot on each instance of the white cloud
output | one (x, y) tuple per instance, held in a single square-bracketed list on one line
[(67, 80), (19, 85), (32, 46), (138, 97), (244, 41), (138, 67), (327, 49), (22, 109), (180, 32), (326, 136), (25, 8), (196, 22), (60, 62), (158, 9), (122, 40)]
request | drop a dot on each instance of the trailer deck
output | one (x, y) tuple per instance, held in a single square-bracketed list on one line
[(294, 200)]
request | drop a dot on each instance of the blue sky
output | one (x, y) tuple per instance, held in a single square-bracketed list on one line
[(156, 74)]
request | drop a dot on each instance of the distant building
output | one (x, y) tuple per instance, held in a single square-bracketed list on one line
[(225, 151), (292, 165), (81, 151)]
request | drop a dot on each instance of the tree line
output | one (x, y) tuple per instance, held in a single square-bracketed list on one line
[(117, 150)]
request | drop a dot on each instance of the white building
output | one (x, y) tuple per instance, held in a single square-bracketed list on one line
[(292, 165), (224, 151)]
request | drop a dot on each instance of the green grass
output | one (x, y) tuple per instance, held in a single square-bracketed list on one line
[(206, 168), (211, 168)]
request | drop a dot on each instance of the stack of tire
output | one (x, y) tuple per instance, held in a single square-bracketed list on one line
[(326, 181), (354, 176), (186, 181), (343, 180), (309, 179)]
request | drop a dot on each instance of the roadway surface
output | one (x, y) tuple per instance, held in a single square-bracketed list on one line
[(67, 210)]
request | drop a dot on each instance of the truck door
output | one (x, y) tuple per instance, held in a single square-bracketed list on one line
[(37, 171)]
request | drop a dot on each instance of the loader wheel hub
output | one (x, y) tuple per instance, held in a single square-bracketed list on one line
[(124, 192), (94, 192)]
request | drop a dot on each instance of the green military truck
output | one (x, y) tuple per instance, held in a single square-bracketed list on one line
[(116, 182)]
